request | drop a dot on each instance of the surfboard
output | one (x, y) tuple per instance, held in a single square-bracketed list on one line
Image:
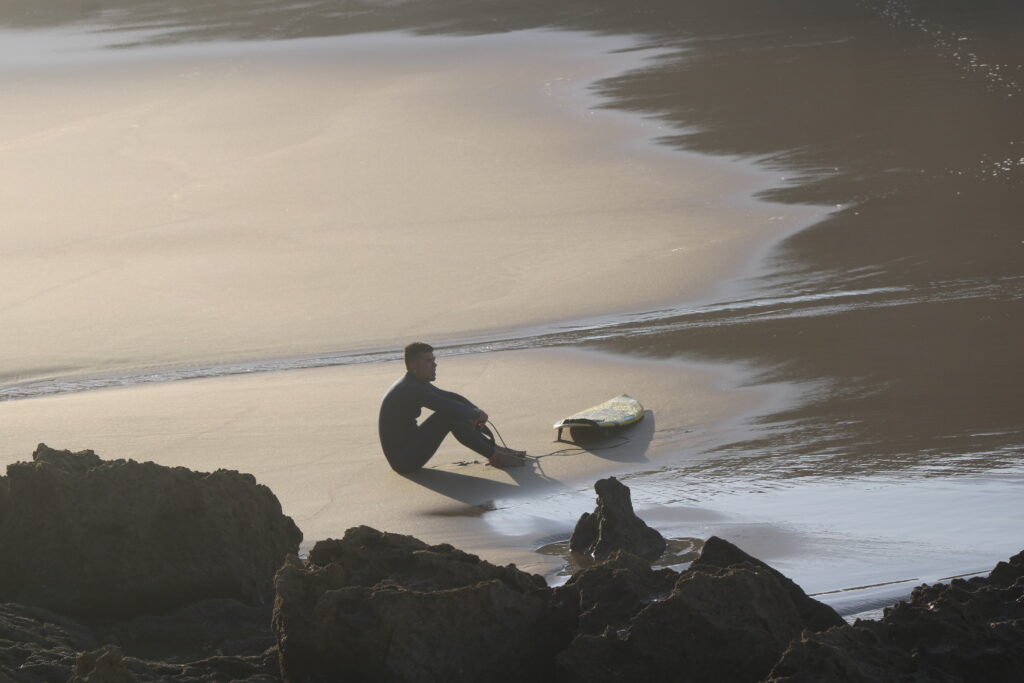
[(615, 412)]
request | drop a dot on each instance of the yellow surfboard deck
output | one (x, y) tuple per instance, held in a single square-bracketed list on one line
[(616, 412)]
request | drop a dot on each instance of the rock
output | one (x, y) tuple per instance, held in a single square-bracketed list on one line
[(611, 592), (727, 625), (37, 646), (718, 553), (1008, 573), (113, 539), (105, 665), (261, 668), (367, 557), (211, 628), (852, 655), (614, 526), (727, 618), (384, 607), (963, 632)]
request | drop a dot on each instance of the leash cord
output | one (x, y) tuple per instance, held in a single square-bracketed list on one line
[(572, 450)]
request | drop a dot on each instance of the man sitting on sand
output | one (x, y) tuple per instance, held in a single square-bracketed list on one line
[(408, 446)]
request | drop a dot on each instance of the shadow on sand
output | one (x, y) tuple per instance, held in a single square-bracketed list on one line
[(628, 445), (625, 445)]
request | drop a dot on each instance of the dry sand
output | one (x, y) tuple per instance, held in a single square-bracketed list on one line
[(310, 435)]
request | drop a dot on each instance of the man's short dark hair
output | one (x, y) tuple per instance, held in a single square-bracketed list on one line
[(412, 351)]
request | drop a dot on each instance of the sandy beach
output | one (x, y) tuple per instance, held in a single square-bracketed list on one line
[(211, 220), (418, 191), (812, 299)]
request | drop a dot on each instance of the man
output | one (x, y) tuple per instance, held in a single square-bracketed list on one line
[(407, 446)]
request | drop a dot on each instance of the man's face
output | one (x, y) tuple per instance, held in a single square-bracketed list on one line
[(424, 367)]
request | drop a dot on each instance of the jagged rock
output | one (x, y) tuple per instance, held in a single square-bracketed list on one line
[(37, 646), (718, 553), (211, 628), (95, 538), (261, 668), (614, 526), (611, 592), (727, 618), (384, 607), (105, 665), (730, 625), (367, 557), (964, 632)]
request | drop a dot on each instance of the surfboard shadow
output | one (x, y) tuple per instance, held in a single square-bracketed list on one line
[(637, 436)]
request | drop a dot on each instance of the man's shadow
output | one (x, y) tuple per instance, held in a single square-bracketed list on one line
[(480, 492), (625, 445)]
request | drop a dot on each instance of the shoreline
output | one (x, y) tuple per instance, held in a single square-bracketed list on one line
[(548, 158)]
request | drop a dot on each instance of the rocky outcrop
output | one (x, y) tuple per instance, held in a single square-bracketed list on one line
[(728, 623), (37, 646), (210, 628), (720, 554), (113, 539), (375, 606), (383, 607), (614, 526), (610, 593), (966, 631), (105, 665)]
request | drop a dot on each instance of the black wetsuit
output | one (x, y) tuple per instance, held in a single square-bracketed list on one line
[(407, 446)]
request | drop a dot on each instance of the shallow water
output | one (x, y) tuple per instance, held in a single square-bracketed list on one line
[(894, 322)]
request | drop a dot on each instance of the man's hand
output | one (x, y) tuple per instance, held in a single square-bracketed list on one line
[(481, 419)]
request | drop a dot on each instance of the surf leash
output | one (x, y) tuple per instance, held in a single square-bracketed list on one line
[(572, 450)]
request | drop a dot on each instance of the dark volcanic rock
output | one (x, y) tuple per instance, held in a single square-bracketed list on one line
[(963, 632), (37, 646), (718, 553), (96, 538), (728, 618), (730, 625), (384, 607), (205, 629), (611, 592), (614, 526), (105, 665)]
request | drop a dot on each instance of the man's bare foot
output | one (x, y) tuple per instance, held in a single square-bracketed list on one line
[(505, 459), (509, 451)]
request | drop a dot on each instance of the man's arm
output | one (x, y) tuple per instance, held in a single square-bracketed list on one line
[(480, 419), (452, 395), (447, 403)]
